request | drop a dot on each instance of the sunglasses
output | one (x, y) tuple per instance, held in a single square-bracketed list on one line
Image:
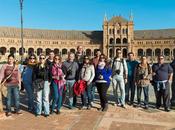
[(42, 58), (31, 58)]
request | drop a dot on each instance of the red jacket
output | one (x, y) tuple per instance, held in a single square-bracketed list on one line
[(79, 87)]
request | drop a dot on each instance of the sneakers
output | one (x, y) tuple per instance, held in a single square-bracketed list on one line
[(167, 109), (82, 108)]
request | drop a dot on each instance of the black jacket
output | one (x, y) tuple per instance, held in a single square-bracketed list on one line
[(41, 73)]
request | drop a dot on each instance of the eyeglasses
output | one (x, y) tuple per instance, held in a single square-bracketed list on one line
[(42, 58)]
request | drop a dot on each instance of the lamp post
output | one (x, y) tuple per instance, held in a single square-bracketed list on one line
[(22, 42)]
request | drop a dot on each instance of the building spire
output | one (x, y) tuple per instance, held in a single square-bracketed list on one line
[(131, 17), (105, 18)]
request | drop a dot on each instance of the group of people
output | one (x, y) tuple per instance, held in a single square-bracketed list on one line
[(51, 83)]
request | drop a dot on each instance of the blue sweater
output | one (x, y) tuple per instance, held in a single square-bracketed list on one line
[(105, 72)]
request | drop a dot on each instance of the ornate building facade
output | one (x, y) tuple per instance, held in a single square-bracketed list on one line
[(117, 33)]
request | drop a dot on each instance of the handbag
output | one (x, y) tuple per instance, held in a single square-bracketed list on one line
[(3, 87), (38, 84)]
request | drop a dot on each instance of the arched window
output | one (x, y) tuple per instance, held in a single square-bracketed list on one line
[(48, 51), (125, 53), (3, 50), (88, 52), (39, 51), (167, 52), (110, 31), (111, 41), (125, 40), (64, 51), (30, 51), (140, 52), (118, 40), (56, 51), (72, 50), (123, 31), (148, 52), (20, 51), (157, 52), (12, 50), (173, 52), (111, 53), (113, 31)]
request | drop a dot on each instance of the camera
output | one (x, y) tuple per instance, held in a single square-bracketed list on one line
[(117, 72), (142, 76), (69, 72)]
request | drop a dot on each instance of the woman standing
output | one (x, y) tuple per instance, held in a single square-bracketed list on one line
[(13, 84), (102, 79), (41, 85), (87, 74), (27, 80), (58, 83), (142, 78)]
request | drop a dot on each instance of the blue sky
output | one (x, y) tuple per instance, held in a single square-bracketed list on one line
[(87, 14)]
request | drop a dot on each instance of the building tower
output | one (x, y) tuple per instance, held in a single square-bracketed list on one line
[(118, 33)]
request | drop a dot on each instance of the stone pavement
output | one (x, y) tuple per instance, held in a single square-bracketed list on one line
[(115, 118)]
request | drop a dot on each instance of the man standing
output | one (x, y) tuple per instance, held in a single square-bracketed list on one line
[(162, 75), (79, 55), (119, 77), (71, 76), (130, 85)]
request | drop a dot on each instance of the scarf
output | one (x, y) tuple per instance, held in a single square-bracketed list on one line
[(57, 71)]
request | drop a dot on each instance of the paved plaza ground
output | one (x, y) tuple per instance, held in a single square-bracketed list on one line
[(115, 118)]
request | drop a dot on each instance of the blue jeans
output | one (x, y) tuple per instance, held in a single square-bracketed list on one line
[(42, 99), (93, 85), (85, 95), (13, 91), (130, 90), (69, 91), (146, 96), (118, 81), (30, 94), (56, 96)]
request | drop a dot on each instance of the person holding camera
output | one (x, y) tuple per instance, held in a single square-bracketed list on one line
[(119, 77), (102, 79), (42, 86), (71, 76), (12, 76), (142, 78)]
